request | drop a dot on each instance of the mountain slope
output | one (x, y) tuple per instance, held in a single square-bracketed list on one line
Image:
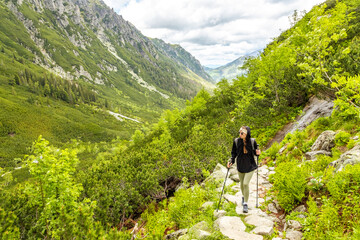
[(81, 53), (184, 58), (126, 177)]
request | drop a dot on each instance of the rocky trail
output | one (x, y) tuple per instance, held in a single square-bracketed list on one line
[(265, 218), (234, 227)]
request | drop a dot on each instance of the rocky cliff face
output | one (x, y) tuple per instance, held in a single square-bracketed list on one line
[(184, 58), (86, 39)]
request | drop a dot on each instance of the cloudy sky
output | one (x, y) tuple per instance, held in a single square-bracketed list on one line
[(216, 32)]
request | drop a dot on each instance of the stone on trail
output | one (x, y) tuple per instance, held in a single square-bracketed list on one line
[(294, 235), (259, 221), (263, 230), (233, 198), (219, 213), (234, 228)]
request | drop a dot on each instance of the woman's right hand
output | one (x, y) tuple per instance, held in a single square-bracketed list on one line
[(229, 164)]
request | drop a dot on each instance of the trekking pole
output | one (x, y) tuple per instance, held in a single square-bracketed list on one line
[(223, 189), (257, 181)]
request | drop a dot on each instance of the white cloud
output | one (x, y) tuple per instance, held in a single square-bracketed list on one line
[(214, 31)]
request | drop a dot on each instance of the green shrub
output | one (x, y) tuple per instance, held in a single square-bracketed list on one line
[(273, 151), (342, 138), (289, 184), (8, 230), (338, 214)]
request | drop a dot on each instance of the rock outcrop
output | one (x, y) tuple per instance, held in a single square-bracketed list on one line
[(313, 110), (322, 146), (350, 157)]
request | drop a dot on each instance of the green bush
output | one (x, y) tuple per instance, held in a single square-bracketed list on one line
[(180, 211), (273, 151), (289, 184), (338, 214), (342, 138)]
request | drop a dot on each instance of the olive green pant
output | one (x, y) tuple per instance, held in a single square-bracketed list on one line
[(244, 184)]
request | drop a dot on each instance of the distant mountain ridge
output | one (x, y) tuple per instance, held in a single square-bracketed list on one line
[(229, 70), (180, 55)]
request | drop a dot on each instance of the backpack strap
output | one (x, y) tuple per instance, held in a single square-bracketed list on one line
[(252, 143)]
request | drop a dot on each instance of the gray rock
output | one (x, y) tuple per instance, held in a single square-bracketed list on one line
[(219, 213), (200, 230), (313, 154), (234, 199), (277, 205), (235, 178), (350, 157), (201, 226), (300, 208), (184, 237), (233, 171), (263, 230), (234, 228), (236, 188), (292, 224), (177, 234), (272, 208), (219, 174), (200, 234), (259, 221), (294, 235), (324, 142), (313, 110)]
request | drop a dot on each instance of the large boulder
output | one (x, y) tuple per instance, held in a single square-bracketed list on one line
[(325, 142), (322, 146), (313, 110), (350, 157)]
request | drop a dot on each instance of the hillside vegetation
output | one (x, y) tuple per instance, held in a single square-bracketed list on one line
[(115, 182), (65, 64)]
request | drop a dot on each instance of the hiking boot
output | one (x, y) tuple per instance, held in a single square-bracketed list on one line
[(245, 208)]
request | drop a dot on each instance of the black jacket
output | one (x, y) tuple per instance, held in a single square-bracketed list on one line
[(245, 162)]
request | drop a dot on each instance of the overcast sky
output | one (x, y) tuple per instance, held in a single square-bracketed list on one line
[(216, 32)]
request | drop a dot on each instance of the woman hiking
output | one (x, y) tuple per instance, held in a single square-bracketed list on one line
[(244, 150)]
